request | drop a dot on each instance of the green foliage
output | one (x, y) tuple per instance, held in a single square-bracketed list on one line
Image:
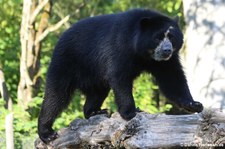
[(25, 121), (10, 16), (143, 93), (25, 127)]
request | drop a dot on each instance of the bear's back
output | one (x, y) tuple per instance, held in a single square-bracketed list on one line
[(91, 35), (103, 25)]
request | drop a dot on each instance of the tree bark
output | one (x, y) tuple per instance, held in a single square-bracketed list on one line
[(144, 131)]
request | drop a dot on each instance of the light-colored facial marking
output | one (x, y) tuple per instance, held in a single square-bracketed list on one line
[(168, 30), (157, 54)]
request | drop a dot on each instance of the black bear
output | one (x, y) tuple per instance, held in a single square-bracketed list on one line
[(108, 52)]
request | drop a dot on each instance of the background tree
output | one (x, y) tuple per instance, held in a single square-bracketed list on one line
[(9, 117), (204, 54), (34, 28)]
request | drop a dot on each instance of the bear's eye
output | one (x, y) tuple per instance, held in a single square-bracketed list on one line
[(170, 36), (157, 40)]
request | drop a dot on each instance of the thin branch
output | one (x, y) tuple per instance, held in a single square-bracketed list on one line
[(75, 12), (37, 10), (79, 7), (51, 29), (60, 14)]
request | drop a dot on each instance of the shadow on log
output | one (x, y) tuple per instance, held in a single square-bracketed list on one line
[(204, 130)]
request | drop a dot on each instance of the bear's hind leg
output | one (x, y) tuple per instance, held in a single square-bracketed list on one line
[(56, 99), (93, 103)]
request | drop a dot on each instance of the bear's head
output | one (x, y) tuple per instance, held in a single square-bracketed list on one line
[(158, 38)]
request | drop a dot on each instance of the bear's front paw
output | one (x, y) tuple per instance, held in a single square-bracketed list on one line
[(193, 106), (47, 138), (102, 111), (128, 114)]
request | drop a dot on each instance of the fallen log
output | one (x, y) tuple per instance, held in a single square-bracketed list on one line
[(203, 130)]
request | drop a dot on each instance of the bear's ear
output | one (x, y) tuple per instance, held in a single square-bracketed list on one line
[(176, 19)]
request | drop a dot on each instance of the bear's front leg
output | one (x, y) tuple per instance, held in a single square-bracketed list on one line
[(172, 82), (124, 98)]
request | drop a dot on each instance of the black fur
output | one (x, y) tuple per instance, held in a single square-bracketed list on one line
[(108, 52)]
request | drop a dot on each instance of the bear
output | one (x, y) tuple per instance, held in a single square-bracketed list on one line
[(109, 51)]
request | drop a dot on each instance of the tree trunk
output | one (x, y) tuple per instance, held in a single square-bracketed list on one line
[(144, 131), (9, 117), (31, 48), (4, 91), (31, 36), (9, 131), (205, 56)]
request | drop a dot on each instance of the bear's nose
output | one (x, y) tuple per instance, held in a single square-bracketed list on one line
[(167, 51), (167, 47)]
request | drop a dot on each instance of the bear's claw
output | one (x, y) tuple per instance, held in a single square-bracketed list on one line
[(50, 138), (103, 111), (193, 106)]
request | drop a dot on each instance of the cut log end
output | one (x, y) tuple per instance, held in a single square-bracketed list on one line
[(206, 129)]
